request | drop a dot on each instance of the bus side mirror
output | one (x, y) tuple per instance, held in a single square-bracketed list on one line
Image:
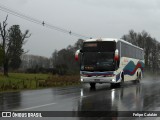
[(116, 55), (77, 55)]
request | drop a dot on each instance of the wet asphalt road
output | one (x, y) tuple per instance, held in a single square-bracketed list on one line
[(131, 97)]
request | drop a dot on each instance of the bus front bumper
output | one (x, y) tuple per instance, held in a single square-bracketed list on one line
[(98, 79)]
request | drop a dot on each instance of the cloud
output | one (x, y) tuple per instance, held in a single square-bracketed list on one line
[(95, 18), (123, 4), (21, 1)]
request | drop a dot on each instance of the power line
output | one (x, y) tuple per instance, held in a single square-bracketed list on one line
[(36, 21)]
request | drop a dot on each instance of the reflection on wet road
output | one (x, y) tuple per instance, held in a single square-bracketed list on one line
[(131, 97)]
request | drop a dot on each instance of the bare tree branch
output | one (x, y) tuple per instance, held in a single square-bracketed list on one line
[(25, 35), (4, 40)]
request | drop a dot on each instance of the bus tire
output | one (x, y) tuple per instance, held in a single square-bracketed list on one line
[(115, 85), (92, 85), (139, 77), (112, 85), (122, 79), (137, 80)]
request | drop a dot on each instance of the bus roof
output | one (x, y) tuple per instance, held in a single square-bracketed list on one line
[(111, 39)]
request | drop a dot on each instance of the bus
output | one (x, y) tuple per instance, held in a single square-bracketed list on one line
[(109, 60)]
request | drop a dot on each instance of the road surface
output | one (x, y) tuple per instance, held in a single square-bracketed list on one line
[(131, 97)]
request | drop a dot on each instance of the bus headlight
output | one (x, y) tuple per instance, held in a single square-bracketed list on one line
[(113, 80), (81, 80)]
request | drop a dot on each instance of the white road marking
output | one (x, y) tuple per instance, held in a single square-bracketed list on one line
[(35, 107)]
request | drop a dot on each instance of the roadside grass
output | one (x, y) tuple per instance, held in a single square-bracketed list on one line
[(20, 81)]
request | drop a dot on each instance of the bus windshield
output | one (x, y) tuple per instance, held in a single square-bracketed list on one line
[(98, 56), (98, 61)]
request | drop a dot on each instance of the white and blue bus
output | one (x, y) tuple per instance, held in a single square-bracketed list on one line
[(110, 60)]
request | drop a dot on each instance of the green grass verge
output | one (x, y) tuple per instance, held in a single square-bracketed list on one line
[(19, 81)]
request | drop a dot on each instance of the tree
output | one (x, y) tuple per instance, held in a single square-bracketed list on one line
[(12, 42), (1, 55), (34, 63), (54, 58), (78, 44), (63, 60), (131, 37), (16, 41), (4, 40)]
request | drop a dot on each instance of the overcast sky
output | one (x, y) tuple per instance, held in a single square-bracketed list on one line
[(93, 18)]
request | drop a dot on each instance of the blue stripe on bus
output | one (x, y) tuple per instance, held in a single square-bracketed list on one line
[(131, 68), (117, 77)]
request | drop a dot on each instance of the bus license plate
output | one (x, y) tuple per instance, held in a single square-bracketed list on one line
[(97, 80)]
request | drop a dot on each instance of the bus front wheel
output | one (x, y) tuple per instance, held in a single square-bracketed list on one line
[(137, 80), (115, 85), (139, 77), (92, 85), (122, 80)]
